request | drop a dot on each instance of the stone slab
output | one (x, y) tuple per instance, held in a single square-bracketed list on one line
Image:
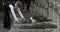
[(30, 30)]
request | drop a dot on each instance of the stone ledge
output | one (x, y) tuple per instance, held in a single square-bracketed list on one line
[(30, 30)]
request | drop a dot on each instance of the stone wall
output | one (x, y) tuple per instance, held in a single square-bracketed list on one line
[(46, 7)]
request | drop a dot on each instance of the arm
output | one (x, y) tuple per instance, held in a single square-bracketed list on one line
[(21, 14), (13, 13)]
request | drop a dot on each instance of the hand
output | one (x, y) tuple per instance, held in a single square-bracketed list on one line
[(23, 19), (17, 21)]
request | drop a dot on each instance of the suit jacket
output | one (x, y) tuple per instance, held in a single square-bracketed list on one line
[(6, 20)]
